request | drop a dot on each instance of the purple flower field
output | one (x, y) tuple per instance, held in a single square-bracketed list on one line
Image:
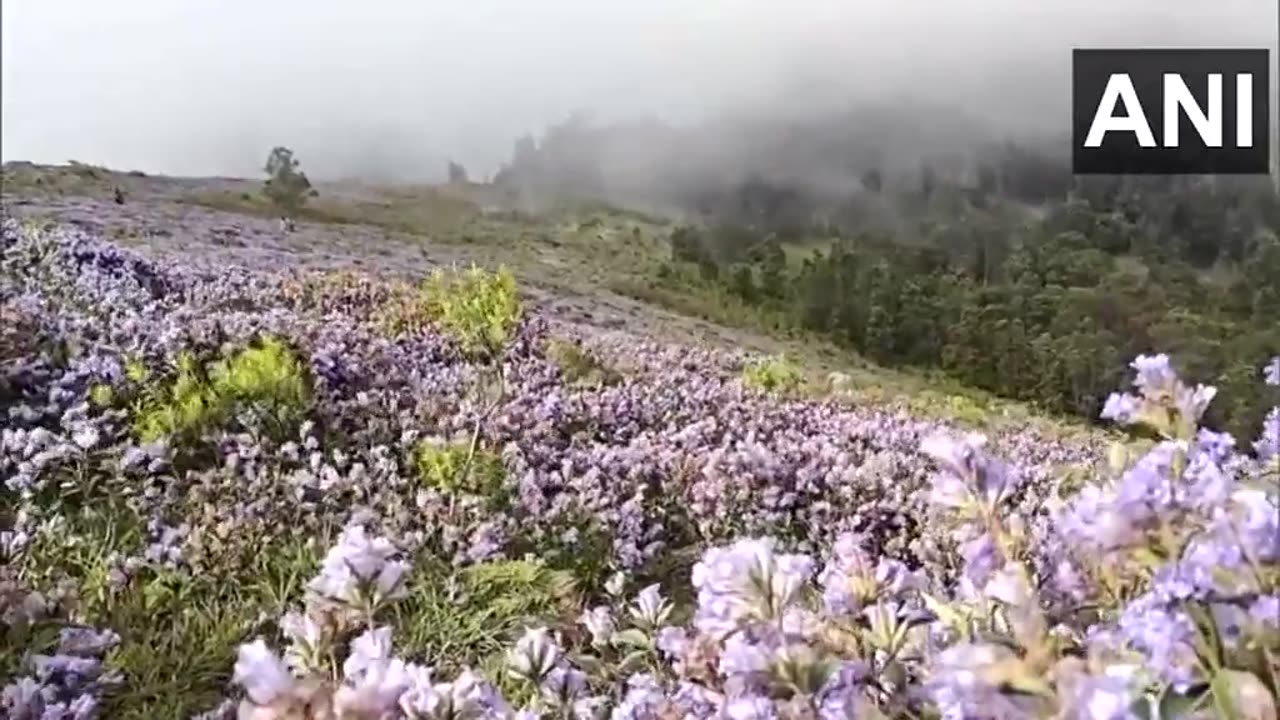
[(261, 493)]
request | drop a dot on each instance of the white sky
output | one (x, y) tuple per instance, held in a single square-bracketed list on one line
[(208, 86)]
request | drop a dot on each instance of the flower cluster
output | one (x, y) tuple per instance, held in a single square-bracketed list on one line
[(66, 685)]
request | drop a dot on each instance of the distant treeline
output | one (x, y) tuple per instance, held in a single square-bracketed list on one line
[(1046, 307), (997, 265)]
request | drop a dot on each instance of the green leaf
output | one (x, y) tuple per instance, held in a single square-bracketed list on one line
[(1175, 705), (947, 614), (631, 638), (1239, 694), (632, 662)]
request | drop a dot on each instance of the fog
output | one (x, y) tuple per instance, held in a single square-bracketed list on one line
[(394, 88)]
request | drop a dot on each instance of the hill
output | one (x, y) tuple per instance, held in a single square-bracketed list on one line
[(443, 497), (586, 263)]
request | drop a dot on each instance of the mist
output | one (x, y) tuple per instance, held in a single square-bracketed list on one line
[(392, 89)]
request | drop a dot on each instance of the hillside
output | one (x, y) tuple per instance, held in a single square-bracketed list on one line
[(340, 473), (585, 265)]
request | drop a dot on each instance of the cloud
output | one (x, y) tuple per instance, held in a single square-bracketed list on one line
[(398, 86)]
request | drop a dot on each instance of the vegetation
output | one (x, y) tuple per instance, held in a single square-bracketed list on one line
[(773, 375), (449, 468), (668, 546), (478, 309), (579, 365), (267, 381), (286, 187), (1042, 309)]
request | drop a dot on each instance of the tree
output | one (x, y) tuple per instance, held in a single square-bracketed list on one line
[(457, 173), (872, 180), (287, 187)]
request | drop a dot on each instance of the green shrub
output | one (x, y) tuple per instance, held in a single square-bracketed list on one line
[(579, 365), (443, 466), (476, 308), (773, 374), (184, 407), (267, 380)]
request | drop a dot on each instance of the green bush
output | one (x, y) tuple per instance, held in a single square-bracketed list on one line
[(773, 374), (578, 365), (267, 380), (477, 309), (443, 466), (183, 407)]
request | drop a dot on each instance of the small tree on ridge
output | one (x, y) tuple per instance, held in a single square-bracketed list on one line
[(287, 187)]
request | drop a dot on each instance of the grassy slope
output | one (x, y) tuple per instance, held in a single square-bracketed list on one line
[(590, 252), (181, 630)]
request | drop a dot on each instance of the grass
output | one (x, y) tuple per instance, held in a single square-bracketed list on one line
[(74, 179), (421, 212), (179, 631)]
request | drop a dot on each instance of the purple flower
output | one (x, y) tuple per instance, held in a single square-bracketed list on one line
[(1271, 372), (968, 471), (751, 707), (534, 655), (650, 608), (642, 700), (369, 650), (599, 622), (1109, 696), (562, 685), (981, 558), (261, 673), (1165, 637), (1266, 612), (1154, 374), (672, 641), (1120, 407)]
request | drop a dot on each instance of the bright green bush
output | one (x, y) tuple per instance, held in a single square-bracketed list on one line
[(774, 374), (268, 380), (183, 407), (478, 309), (444, 466)]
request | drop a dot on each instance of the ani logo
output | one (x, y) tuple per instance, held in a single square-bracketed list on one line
[(1165, 112)]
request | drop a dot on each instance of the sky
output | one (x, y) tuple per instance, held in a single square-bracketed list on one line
[(207, 87)]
